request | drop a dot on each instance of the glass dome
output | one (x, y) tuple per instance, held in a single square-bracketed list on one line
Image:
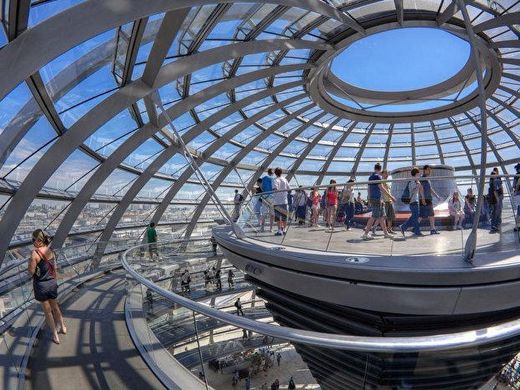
[(88, 154)]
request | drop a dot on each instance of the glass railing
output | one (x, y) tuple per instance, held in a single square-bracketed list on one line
[(311, 220), (73, 261), (191, 315)]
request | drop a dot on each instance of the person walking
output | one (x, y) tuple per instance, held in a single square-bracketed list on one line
[(315, 198), (280, 185), (456, 211), (230, 279), (214, 245), (42, 267), (375, 201), (238, 306), (149, 299), (389, 204), (470, 206), (348, 200), (278, 358), (412, 195), (238, 199), (267, 186), (331, 201), (258, 205), (426, 209), (516, 196), (151, 239), (291, 385), (218, 280), (495, 198), (185, 281), (248, 383), (300, 201)]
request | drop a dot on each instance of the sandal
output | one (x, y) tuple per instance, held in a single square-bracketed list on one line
[(55, 339)]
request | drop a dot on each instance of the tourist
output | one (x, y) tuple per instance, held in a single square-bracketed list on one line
[(315, 198), (412, 194), (230, 279), (291, 385), (290, 205), (516, 196), (267, 186), (348, 202), (218, 281), (238, 199), (300, 201), (151, 239), (426, 209), (281, 185), (238, 306), (185, 281), (456, 211), (389, 204), (149, 299), (258, 208), (359, 204), (331, 199), (375, 202), (495, 198), (278, 358), (42, 267), (248, 383), (470, 206), (207, 279), (214, 245)]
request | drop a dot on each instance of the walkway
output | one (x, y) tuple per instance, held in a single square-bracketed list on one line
[(97, 352)]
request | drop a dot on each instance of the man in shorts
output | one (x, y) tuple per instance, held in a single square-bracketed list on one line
[(280, 201), (267, 186), (426, 208), (375, 201)]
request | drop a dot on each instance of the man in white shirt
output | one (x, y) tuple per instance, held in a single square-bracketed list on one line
[(280, 201)]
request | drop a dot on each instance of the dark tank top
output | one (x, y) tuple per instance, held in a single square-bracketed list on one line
[(45, 269)]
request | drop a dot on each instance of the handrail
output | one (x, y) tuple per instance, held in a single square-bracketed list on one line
[(440, 342), (367, 182)]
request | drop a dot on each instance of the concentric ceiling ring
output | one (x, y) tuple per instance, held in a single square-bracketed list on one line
[(327, 90)]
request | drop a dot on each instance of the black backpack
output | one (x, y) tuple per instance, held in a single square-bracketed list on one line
[(405, 197)]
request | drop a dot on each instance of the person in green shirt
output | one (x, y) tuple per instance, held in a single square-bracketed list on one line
[(151, 239)]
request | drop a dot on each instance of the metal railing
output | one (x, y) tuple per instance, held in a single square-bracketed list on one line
[(258, 215), (135, 263)]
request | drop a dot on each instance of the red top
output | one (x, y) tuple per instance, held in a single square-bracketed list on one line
[(332, 198)]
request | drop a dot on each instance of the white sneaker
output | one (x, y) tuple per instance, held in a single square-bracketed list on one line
[(367, 237), (388, 236)]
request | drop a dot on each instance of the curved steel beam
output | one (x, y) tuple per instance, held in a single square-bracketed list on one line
[(90, 187), (114, 104), (175, 148), (46, 41), (225, 172), (308, 149), (333, 153)]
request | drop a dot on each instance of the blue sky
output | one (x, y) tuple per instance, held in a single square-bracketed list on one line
[(402, 59)]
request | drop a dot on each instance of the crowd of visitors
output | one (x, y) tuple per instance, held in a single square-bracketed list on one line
[(280, 204)]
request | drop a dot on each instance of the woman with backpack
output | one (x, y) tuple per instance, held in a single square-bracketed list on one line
[(412, 194), (42, 267)]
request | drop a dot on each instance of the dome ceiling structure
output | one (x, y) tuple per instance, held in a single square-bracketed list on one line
[(86, 153)]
